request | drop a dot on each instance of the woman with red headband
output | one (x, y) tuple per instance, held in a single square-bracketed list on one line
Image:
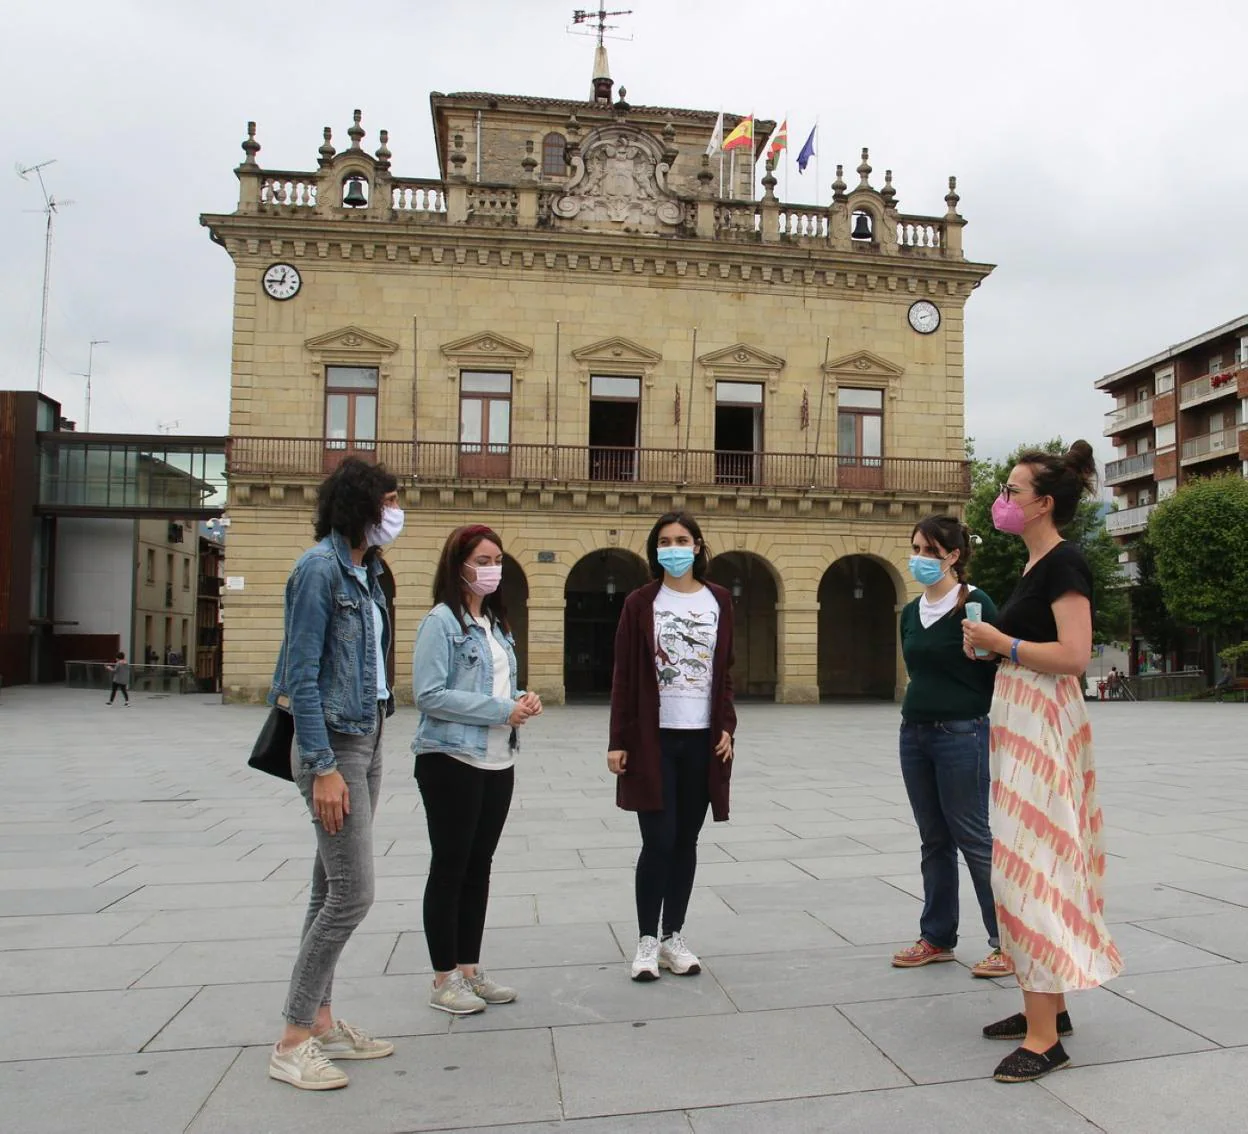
[(464, 682)]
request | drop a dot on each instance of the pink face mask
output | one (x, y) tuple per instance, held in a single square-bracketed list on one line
[(1008, 515), (487, 580)]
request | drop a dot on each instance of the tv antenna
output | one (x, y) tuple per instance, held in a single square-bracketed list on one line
[(86, 425), (50, 207), (597, 21)]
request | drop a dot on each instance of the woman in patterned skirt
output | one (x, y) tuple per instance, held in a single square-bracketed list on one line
[(1047, 859)]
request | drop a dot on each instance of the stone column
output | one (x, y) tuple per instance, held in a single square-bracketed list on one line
[(797, 653), (546, 614)]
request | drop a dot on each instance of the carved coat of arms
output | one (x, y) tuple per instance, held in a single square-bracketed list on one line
[(619, 178)]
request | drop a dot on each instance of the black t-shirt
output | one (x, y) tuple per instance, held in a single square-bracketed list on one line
[(1029, 612)]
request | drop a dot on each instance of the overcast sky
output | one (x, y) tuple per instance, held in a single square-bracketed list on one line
[(1099, 149)]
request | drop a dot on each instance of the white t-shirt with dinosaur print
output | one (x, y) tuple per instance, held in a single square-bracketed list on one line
[(685, 629)]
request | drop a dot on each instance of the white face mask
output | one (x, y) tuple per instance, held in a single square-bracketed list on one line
[(487, 579), (378, 535)]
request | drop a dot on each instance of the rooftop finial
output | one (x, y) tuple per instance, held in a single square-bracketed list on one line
[(839, 186), (888, 192), (326, 149), (250, 146), (952, 198), (356, 132), (864, 171), (383, 151)]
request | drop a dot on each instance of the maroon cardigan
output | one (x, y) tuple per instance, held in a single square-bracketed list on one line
[(635, 704)]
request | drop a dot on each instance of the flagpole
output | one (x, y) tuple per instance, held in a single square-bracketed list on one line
[(786, 160), (818, 183)]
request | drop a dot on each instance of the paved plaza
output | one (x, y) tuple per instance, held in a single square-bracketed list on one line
[(152, 889)]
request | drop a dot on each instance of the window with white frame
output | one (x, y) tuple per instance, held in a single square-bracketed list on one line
[(1165, 381), (1165, 436)]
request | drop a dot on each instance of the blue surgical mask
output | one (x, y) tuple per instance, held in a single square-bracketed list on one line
[(676, 561), (926, 571)]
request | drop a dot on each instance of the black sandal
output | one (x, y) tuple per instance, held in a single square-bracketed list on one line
[(1015, 1027), (1023, 1066)]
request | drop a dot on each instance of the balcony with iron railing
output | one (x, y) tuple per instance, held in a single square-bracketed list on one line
[(1128, 521), (1130, 468), (1219, 444), (1211, 387), (1129, 416), (451, 463)]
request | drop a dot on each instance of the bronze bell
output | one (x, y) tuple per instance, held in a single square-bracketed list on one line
[(354, 197), (862, 227)]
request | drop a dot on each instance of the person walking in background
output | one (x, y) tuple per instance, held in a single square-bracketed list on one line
[(331, 675), (944, 744), (464, 684), (671, 729), (120, 671), (1048, 863)]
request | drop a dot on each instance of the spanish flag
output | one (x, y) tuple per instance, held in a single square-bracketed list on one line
[(779, 141), (742, 136)]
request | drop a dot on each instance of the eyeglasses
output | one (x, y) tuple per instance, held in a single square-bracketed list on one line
[(1008, 491)]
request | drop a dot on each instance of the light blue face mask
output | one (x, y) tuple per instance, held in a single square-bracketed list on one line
[(676, 561), (926, 571)]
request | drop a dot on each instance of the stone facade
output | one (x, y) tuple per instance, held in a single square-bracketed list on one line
[(622, 268)]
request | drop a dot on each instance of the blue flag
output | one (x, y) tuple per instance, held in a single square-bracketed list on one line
[(807, 152)]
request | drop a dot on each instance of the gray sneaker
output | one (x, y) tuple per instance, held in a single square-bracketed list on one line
[(455, 996), (490, 991), (343, 1041), (306, 1067)]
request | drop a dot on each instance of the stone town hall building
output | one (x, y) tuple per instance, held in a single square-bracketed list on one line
[(570, 330)]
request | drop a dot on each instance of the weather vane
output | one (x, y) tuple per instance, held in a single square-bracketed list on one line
[(599, 25)]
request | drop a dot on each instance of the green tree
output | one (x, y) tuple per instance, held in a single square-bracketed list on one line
[(1200, 538), (998, 562), (1149, 614)]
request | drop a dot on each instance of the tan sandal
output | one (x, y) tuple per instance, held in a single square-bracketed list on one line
[(996, 964)]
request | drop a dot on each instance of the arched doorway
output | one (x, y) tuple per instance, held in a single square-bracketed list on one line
[(857, 630), (594, 596), (750, 581), (515, 595)]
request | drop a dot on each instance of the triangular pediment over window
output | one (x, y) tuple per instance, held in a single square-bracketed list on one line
[(863, 364), (488, 346), (616, 352), (741, 356), (351, 338)]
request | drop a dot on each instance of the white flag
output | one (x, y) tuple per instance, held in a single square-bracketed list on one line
[(717, 137)]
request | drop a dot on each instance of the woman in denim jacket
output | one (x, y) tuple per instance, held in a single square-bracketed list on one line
[(464, 682), (331, 675)]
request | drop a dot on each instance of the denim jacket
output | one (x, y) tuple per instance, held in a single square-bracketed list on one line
[(326, 673), (453, 682)]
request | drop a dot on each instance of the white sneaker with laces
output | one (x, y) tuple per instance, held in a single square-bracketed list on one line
[(306, 1067), (646, 962), (677, 957), (343, 1041), (490, 990)]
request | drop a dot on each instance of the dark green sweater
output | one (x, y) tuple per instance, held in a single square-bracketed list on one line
[(945, 685)]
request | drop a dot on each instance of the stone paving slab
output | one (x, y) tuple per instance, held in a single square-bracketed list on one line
[(148, 1000)]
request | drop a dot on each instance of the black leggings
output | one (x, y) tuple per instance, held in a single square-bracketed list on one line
[(124, 692), (669, 838), (466, 808)]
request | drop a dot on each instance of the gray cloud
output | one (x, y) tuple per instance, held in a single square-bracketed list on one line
[(1096, 145)]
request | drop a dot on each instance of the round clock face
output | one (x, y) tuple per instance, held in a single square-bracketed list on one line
[(281, 281), (924, 316)]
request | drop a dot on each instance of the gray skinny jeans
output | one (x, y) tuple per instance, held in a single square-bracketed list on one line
[(342, 875)]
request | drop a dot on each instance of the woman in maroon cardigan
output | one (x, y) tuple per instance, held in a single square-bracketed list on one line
[(672, 723)]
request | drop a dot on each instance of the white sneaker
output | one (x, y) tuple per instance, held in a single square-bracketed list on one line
[(455, 996), (646, 962), (343, 1041), (306, 1067), (490, 990), (676, 956)]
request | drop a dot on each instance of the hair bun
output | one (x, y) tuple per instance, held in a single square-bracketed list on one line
[(1081, 459)]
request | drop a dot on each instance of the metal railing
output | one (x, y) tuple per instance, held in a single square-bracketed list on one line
[(143, 678), (1129, 519), (1139, 465), (1210, 385), (451, 461), (1219, 443)]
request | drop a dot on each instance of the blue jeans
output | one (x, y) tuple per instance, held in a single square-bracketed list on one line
[(945, 768)]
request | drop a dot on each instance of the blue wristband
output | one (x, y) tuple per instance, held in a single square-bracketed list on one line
[(1014, 650)]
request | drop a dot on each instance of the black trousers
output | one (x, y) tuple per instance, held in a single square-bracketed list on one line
[(465, 808), (669, 838), (124, 692)]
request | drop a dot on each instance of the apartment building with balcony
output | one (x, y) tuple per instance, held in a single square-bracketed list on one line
[(573, 328)]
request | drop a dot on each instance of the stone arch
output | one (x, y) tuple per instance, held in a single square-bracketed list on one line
[(515, 595), (594, 594), (858, 599), (754, 585)]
